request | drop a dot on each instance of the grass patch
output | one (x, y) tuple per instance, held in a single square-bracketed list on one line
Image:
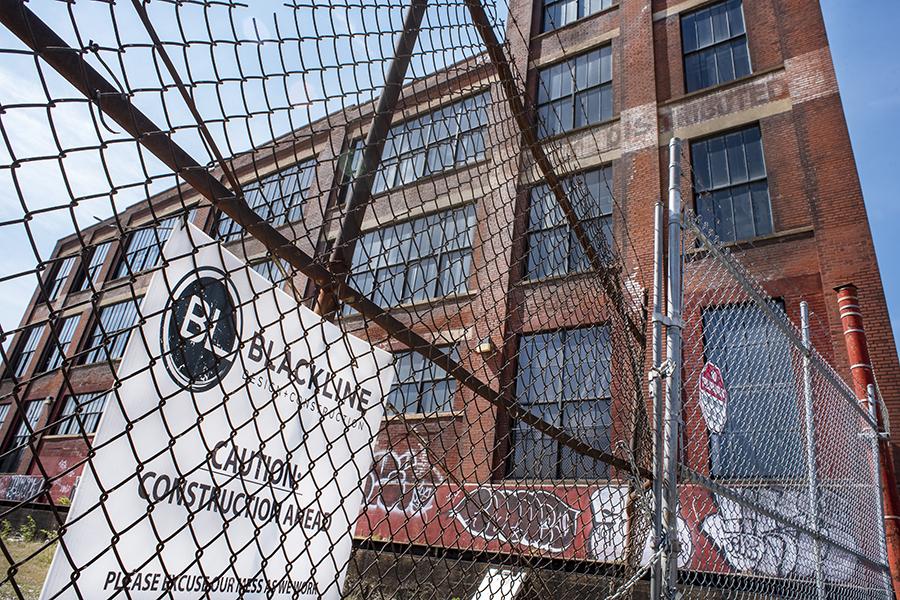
[(30, 574)]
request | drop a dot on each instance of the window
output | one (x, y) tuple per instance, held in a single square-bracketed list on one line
[(145, 246), (575, 93), (57, 353), (278, 199), (563, 378), (111, 332), (10, 461), (432, 143), (762, 436), (92, 273), (87, 408), (55, 283), (21, 361), (4, 412), (732, 194), (552, 247), (417, 260), (268, 269), (421, 386), (561, 12), (715, 45), (348, 168)]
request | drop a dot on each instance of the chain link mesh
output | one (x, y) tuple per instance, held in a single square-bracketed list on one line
[(435, 262), (512, 460), (780, 461)]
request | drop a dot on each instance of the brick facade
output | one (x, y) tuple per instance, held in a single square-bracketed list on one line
[(821, 236)]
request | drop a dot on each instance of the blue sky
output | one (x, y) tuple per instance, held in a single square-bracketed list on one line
[(865, 46)]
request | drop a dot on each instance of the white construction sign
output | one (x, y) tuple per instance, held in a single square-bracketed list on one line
[(231, 456)]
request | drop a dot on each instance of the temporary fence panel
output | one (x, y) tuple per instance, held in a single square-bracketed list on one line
[(779, 489)]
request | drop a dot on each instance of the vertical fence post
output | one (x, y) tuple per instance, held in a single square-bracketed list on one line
[(811, 472), (673, 356), (876, 473), (656, 392)]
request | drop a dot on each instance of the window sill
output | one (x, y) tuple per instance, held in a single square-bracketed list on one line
[(573, 24), (763, 239), (449, 414), (579, 130), (556, 278), (721, 86), (115, 363), (421, 303), (69, 436)]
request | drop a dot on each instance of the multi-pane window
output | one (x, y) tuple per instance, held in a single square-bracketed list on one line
[(13, 456), (348, 168), (4, 412), (434, 142), (553, 248), (92, 273), (270, 270), (732, 194), (21, 361), (762, 435), (417, 260), (55, 283), (145, 246), (85, 408), (561, 12), (715, 45), (563, 378), (575, 93), (110, 333), (58, 352), (421, 386), (278, 199)]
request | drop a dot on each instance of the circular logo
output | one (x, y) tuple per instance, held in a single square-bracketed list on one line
[(200, 330)]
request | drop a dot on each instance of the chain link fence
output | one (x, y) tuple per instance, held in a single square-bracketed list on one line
[(781, 485), (326, 318), (310, 216)]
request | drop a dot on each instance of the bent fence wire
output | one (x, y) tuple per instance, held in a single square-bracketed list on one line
[(434, 264)]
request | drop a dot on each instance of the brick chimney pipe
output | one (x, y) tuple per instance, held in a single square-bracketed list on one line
[(861, 368)]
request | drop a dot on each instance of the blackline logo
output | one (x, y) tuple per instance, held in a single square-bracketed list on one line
[(200, 330)]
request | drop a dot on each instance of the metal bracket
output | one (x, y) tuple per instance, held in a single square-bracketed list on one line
[(663, 370), (668, 322)]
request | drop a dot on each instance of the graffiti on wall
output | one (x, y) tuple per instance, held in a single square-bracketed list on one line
[(590, 522), (532, 518), (749, 541), (23, 487), (403, 482)]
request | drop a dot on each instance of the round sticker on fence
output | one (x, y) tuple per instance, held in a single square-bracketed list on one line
[(201, 329), (713, 398)]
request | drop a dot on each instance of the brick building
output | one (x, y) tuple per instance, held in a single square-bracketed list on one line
[(748, 86)]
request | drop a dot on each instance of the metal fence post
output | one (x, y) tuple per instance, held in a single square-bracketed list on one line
[(811, 478), (876, 475), (656, 392), (673, 356)]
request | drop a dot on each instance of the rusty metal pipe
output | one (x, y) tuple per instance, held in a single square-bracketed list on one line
[(863, 377)]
